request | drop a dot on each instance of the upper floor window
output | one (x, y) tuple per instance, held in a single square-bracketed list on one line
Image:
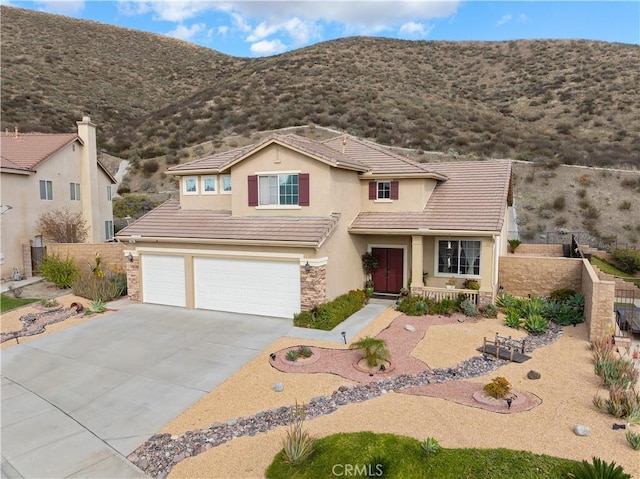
[(46, 189), (226, 183), (384, 190), (459, 257), (109, 192), (108, 230), (278, 189), (75, 191), (209, 185), (190, 185)]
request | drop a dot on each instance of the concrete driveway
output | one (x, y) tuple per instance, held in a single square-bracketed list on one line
[(76, 403)]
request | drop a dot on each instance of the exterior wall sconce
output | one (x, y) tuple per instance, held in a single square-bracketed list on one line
[(130, 257), (307, 267)]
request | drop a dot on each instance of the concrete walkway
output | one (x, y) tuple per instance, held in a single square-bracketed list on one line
[(4, 287), (77, 402)]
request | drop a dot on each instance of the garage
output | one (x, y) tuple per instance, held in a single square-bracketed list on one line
[(261, 287), (163, 280)]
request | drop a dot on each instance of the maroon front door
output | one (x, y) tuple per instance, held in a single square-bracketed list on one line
[(387, 278)]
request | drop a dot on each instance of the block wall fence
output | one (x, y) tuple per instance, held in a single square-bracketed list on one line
[(84, 254)]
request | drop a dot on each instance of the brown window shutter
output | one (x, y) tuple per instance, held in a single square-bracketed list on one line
[(303, 189), (373, 190), (394, 190), (253, 190)]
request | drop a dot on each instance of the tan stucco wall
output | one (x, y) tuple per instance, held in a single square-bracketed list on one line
[(216, 201), (413, 194), (22, 192), (523, 275)]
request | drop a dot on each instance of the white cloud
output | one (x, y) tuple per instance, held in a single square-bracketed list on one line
[(183, 32), (522, 18), (268, 47), (415, 30), (505, 19), (299, 31), (66, 7), (223, 30)]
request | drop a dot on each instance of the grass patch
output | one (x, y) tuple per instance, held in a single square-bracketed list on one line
[(608, 268), (7, 302), (404, 457), (327, 316)]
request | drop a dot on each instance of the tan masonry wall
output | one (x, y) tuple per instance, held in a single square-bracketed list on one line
[(599, 296), (83, 254), (551, 250), (536, 275)]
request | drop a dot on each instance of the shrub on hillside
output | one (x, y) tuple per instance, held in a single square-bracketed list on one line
[(133, 205), (627, 259), (61, 272)]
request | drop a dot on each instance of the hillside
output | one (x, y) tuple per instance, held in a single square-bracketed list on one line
[(560, 101)]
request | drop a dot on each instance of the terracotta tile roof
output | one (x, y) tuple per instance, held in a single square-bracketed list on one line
[(221, 161), (29, 149), (170, 221), (378, 160), (474, 198)]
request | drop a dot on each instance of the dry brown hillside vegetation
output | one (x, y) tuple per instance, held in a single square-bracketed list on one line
[(569, 101)]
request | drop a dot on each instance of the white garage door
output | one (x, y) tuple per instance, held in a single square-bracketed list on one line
[(266, 288), (163, 280)]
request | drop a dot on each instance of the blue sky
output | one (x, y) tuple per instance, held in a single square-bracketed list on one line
[(267, 27)]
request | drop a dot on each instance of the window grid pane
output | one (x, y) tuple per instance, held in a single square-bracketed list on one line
[(384, 190), (462, 259)]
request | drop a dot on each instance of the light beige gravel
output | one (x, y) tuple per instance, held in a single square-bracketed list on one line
[(566, 387)]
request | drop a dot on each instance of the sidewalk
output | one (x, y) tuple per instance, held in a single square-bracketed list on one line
[(4, 287)]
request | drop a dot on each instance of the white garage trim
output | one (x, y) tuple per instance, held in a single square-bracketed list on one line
[(224, 253), (163, 279), (266, 288)]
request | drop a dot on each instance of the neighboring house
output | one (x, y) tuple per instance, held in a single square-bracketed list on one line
[(42, 172), (278, 227)]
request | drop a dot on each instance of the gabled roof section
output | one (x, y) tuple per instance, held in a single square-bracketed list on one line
[(169, 221), (27, 150), (378, 160), (473, 198), (222, 161)]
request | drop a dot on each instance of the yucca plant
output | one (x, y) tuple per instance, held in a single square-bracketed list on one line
[(374, 350), (536, 324), (598, 469), (431, 445), (634, 440), (297, 444)]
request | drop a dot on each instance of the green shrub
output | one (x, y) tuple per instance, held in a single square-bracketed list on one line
[(634, 440), (96, 286), (374, 350), (305, 352), (328, 315), (562, 294), (61, 272), (471, 284), (415, 306), (297, 444), (598, 470), (536, 324), (505, 301), (431, 445), (498, 388), (469, 308), (489, 310), (513, 244), (627, 259), (512, 319), (292, 355)]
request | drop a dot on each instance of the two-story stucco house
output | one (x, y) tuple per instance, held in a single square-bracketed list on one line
[(277, 227), (42, 172)]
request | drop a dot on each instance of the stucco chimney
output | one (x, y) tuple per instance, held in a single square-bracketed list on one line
[(89, 196)]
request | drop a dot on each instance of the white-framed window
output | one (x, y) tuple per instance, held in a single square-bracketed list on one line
[(279, 189), (209, 185), (74, 191), (383, 190), (109, 192), (225, 186), (459, 257), (108, 230), (190, 185), (46, 190)]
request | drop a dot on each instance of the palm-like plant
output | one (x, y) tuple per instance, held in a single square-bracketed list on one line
[(374, 350), (599, 469)]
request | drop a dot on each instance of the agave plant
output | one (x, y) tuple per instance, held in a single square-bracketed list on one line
[(512, 319), (598, 469), (374, 350), (431, 445), (297, 444), (536, 324), (634, 440)]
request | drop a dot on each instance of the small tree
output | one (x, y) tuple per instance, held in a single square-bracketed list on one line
[(62, 226), (374, 350), (369, 263)]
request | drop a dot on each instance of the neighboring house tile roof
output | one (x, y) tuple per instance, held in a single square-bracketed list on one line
[(170, 221), (27, 150), (378, 160), (474, 197)]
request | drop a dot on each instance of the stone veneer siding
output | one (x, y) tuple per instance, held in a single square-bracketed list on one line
[(133, 278), (313, 287), (83, 254), (524, 275)]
